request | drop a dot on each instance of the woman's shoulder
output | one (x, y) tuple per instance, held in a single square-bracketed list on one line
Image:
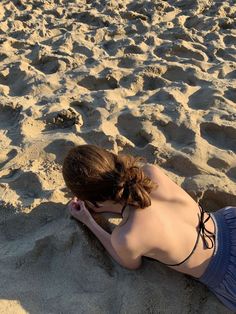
[(151, 168), (154, 173), (124, 235), (124, 231)]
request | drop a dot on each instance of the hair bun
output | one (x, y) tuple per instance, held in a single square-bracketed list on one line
[(132, 185), (130, 182), (132, 175)]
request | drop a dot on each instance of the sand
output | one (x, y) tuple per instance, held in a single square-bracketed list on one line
[(150, 78)]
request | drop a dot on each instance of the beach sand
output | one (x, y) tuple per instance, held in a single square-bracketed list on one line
[(150, 78)]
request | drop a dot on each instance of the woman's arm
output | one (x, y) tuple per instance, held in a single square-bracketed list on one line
[(119, 250), (120, 253)]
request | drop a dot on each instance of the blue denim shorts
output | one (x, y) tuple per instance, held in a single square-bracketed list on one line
[(220, 275)]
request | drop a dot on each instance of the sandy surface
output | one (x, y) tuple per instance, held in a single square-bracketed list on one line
[(150, 78)]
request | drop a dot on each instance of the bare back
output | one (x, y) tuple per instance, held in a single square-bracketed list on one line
[(167, 230)]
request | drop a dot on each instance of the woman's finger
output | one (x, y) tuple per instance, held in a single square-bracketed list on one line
[(81, 203)]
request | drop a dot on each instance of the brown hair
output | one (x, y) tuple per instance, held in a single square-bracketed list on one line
[(95, 174)]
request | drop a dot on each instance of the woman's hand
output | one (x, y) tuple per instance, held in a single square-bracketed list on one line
[(78, 210)]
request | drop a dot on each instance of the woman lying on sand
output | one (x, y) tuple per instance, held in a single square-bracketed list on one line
[(160, 220)]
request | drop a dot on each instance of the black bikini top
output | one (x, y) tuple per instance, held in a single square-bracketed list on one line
[(201, 231)]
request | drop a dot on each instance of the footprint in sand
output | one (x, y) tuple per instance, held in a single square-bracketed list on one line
[(19, 35), (59, 148), (151, 82), (162, 97), (98, 83), (178, 136), (176, 33), (90, 116), (3, 56), (77, 48), (221, 136), (230, 40), (205, 98), (48, 64), (25, 225), (20, 45), (230, 94), (179, 49), (89, 19), (226, 23), (25, 184), (178, 74), (133, 49), (20, 79), (129, 126), (232, 173), (100, 138), (127, 62), (136, 27), (142, 82), (231, 75), (218, 163), (6, 156), (181, 165), (24, 17), (215, 199), (226, 54), (9, 116), (19, 5), (115, 47)]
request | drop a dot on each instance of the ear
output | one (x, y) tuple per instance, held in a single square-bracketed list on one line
[(129, 257)]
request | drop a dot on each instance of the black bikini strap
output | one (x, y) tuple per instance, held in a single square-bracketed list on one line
[(123, 208), (201, 231), (195, 245)]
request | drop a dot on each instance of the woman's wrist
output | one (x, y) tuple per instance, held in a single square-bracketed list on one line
[(90, 221)]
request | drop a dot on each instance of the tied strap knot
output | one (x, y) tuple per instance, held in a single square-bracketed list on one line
[(206, 234)]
